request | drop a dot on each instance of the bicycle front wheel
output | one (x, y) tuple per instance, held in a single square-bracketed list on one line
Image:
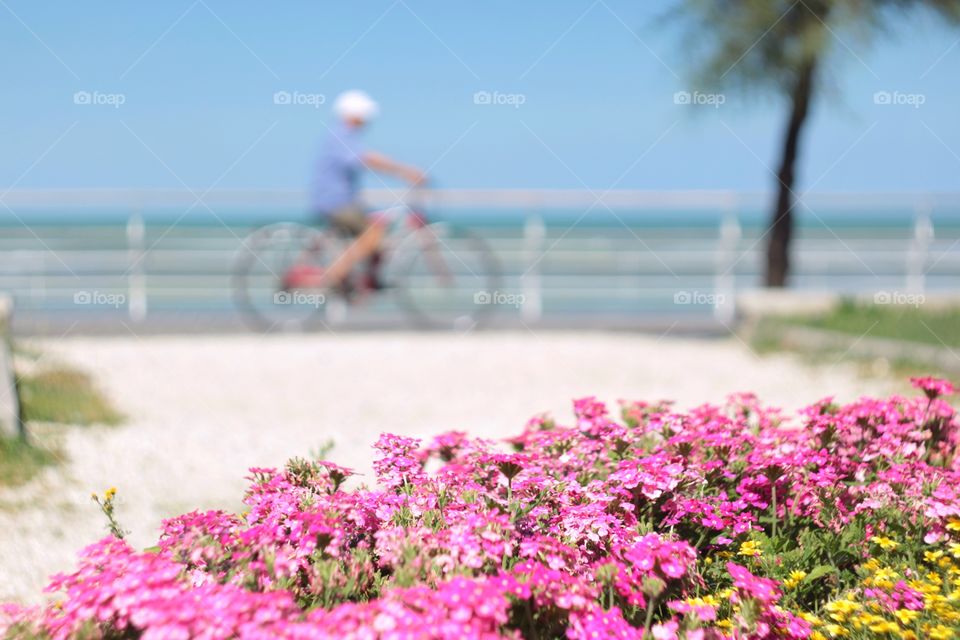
[(445, 277)]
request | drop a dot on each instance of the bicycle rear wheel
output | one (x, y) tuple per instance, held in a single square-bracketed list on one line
[(266, 257), (444, 277)]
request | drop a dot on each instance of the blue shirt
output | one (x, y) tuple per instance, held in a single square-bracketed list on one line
[(336, 181)]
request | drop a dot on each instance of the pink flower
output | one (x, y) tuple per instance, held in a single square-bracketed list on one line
[(763, 589), (933, 387), (665, 631), (573, 535)]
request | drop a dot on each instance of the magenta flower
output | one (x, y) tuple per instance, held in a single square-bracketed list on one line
[(933, 387), (602, 529)]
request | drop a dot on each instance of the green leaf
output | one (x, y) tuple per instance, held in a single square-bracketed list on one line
[(819, 572)]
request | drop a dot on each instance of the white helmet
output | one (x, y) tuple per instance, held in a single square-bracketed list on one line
[(355, 104)]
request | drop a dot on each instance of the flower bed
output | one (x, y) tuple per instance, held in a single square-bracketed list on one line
[(722, 522)]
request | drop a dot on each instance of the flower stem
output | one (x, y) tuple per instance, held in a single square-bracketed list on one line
[(649, 619), (773, 509)]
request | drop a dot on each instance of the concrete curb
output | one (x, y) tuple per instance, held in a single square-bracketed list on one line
[(771, 303), (11, 424), (754, 306)]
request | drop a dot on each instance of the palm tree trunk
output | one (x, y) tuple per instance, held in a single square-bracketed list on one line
[(781, 224)]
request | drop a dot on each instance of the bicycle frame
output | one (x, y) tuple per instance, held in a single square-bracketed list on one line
[(416, 223), (405, 226)]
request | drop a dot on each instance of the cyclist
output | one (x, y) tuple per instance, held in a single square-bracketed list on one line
[(335, 192)]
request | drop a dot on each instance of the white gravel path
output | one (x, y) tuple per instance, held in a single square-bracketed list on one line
[(203, 409)]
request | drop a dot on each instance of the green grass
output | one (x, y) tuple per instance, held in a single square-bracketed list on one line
[(66, 396), (937, 327), (50, 397), (20, 461)]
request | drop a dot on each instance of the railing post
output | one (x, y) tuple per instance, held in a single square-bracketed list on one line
[(725, 279), (136, 276), (920, 246), (38, 281), (534, 232)]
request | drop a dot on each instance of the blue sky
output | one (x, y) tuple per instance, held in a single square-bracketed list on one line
[(597, 80)]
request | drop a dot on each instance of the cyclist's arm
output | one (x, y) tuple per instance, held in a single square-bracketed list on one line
[(383, 164)]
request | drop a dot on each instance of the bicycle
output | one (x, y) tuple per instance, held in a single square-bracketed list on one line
[(440, 275)]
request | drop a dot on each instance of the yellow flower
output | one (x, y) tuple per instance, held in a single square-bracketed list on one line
[(953, 525), (906, 616), (836, 630), (842, 606), (885, 543), (922, 587), (932, 556), (794, 579), (839, 610), (809, 617), (884, 577), (750, 548), (885, 626), (707, 600), (955, 549), (940, 632)]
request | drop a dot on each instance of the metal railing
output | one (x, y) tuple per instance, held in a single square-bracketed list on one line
[(568, 251)]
